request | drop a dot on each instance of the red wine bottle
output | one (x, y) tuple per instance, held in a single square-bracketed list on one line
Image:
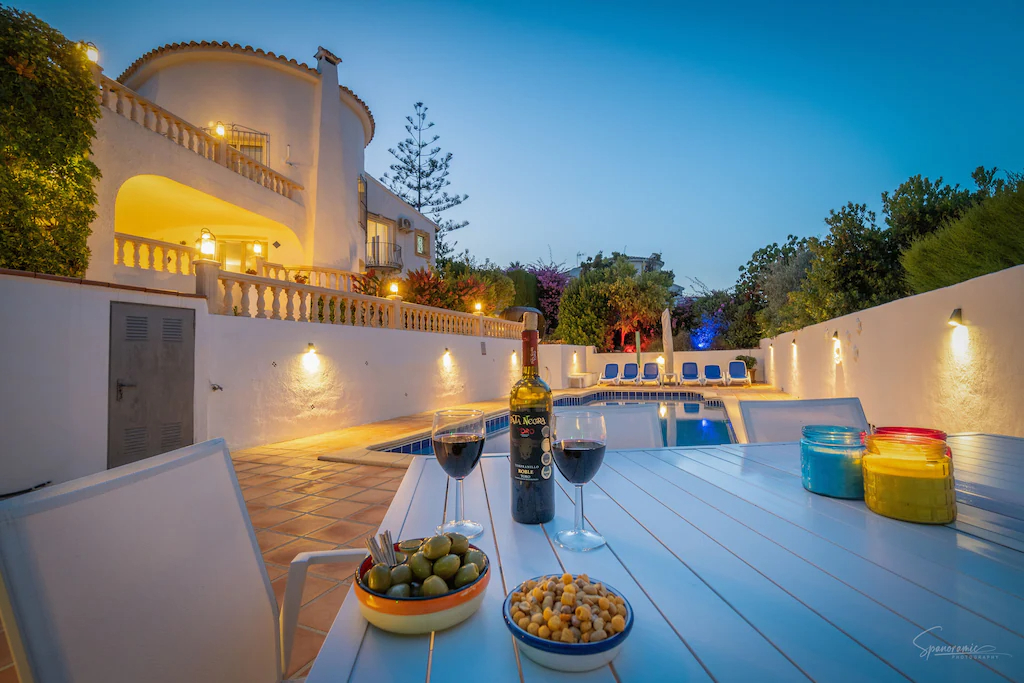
[(533, 489)]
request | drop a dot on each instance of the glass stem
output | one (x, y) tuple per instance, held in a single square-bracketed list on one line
[(579, 508), (460, 513)]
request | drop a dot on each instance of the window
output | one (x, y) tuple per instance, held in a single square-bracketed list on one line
[(422, 244), (362, 203)]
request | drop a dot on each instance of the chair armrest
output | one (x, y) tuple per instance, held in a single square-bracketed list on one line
[(292, 602)]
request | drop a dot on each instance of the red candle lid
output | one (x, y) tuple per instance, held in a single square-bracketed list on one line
[(917, 431)]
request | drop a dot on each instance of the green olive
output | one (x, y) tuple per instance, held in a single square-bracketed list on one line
[(421, 567), (466, 575), (434, 586), (410, 546), (416, 592), (378, 579), (460, 544), (400, 590), (475, 557), (436, 547), (401, 574), (446, 566)]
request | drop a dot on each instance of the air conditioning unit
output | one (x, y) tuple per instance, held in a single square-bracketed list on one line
[(405, 225)]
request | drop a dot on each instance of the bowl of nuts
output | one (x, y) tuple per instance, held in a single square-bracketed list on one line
[(568, 623)]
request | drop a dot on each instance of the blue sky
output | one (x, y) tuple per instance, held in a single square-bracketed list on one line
[(702, 133)]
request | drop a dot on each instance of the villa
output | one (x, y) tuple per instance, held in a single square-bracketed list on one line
[(204, 435)]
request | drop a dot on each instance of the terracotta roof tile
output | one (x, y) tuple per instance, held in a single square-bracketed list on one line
[(248, 49)]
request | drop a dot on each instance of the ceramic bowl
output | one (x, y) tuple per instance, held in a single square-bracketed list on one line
[(420, 615), (571, 657)]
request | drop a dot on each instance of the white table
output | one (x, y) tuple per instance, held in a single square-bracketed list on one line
[(734, 571)]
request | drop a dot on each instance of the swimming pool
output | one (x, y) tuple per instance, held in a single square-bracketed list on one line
[(685, 421)]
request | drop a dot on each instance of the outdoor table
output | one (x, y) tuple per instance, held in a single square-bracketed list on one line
[(734, 573)]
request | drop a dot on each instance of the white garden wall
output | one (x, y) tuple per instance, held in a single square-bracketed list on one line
[(54, 374), (909, 367)]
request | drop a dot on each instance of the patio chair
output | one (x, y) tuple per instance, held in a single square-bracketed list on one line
[(775, 421), (737, 373), (610, 375), (690, 374), (712, 375), (651, 374), (631, 373), (146, 572)]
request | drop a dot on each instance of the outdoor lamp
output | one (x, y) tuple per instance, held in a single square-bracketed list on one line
[(477, 308), (310, 361), (957, 319), (661, 360), (515, 358), (447, 358), (257, 248), (394, 288), (219, 129), (91, 52), (311, 348), (837, 354), (206, 245), (793, 342)]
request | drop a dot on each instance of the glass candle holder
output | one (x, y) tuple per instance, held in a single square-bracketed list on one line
[(917, 431), (909, 477), (830, 461)]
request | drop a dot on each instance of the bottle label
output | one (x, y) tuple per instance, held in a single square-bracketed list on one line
[(531, 444)]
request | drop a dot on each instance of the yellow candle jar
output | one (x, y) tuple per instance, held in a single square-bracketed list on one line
[(910, 478)]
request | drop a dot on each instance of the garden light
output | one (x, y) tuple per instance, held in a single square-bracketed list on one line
[(219, 129), (206, 245), (394, 288), (257, 248), (661, 360), (91, 52), (447, 358), (837, 351), (311, 361), (957, 319), (515, 358)]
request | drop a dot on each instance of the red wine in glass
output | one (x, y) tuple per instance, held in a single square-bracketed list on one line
[(458, 454), (578, 459), (578, 449)]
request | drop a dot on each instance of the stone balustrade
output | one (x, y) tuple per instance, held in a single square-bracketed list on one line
[(149, 254), (328, 278), (134, 107), (252, 296)]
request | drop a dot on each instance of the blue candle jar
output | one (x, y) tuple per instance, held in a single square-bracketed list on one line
[(831, 461)]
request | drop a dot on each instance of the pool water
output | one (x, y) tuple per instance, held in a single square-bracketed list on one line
[(695, 425)]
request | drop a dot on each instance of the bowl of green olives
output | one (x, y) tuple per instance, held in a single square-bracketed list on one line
[(438, 582)]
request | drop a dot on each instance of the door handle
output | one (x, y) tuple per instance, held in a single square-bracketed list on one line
[(123, 385)]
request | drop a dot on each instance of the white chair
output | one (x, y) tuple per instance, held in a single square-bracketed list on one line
[(737, 373), (775, 421), (629, 426), (147, 572), (610, 374)]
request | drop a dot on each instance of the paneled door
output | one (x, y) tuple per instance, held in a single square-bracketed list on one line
[(152, 377)]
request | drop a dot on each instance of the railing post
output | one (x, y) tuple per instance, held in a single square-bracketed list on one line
[(207, 275), (261, 266)]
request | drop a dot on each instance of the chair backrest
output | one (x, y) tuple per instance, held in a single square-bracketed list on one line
[(651, 370), (629, 426), (690, 370), (611, 370), (737, 369), (712, 372), (630, 370), (773, 421), (147, 572)]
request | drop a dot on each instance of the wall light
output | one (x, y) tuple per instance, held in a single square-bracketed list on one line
[(257, 248), (575, 357), (957, 319), (661, 360), (219, 129), (447, 358), (793, 342), (91, 52), (311, 361), (837, 349), (206, 245), (479, 306), (515, 358), (394, 288)]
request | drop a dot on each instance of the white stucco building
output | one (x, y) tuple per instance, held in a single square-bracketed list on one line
[(262, 151)]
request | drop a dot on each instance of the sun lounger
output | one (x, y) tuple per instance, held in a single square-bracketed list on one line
[(611, 374), (651, 374), (712, 375), (690, 373), (737, 373), (631, 373)]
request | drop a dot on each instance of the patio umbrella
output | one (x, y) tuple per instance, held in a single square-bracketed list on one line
[(636, 339), (666, 341)]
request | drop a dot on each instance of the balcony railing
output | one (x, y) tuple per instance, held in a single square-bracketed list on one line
[(149, 254), (383, 255), (328, 278)]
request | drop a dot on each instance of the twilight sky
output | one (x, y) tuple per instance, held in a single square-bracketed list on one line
[(698, 132)]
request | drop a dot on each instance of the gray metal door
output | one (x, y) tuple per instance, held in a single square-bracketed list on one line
[(152, 375)]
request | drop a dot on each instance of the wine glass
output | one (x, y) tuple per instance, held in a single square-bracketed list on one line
[(458, 437), (579, 443)]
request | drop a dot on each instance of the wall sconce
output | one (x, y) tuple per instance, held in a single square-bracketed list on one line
[(206, 245), (793, 342), (257, 248), (575, 357), (478, 308), (219, 129), (661, 360), (837, 349), (311, 361), (957, 319), (515, 358), (91, 52), (447, 358), (394, 288)]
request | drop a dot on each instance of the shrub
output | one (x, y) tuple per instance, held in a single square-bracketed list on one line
[(46, 129), (526, 288), (749, 361), (988, 237)]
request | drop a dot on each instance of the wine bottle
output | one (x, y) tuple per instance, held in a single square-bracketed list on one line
[(533, 489)]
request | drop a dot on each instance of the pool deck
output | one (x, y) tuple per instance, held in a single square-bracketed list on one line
[(350, 445)]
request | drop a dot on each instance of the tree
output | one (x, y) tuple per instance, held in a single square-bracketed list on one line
[(421, 176), (782, 278), (47, 116)]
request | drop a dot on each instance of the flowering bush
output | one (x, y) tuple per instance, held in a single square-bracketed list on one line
[(551, 281), (369, 283)]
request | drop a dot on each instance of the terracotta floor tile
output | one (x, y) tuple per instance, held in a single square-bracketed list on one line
[(340, 509), (342, 491), (368, 482), (313, 587), (291, 471), (368, 469), (372, 515), (313, 474), (274, 571), (259, 479), (282, 483), (6, 658), (244, 466), (304, 649), (267, 469), (253, 492), (341, 531), (376, 496), (240, 477), (303, 525), (9, 675), (279, 498), (268, 540), (320, 613), (268, 517), (308, 503), (342, 477), (254, 506), (339, 571), (312, 486), (286, 553), (390, 485)]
